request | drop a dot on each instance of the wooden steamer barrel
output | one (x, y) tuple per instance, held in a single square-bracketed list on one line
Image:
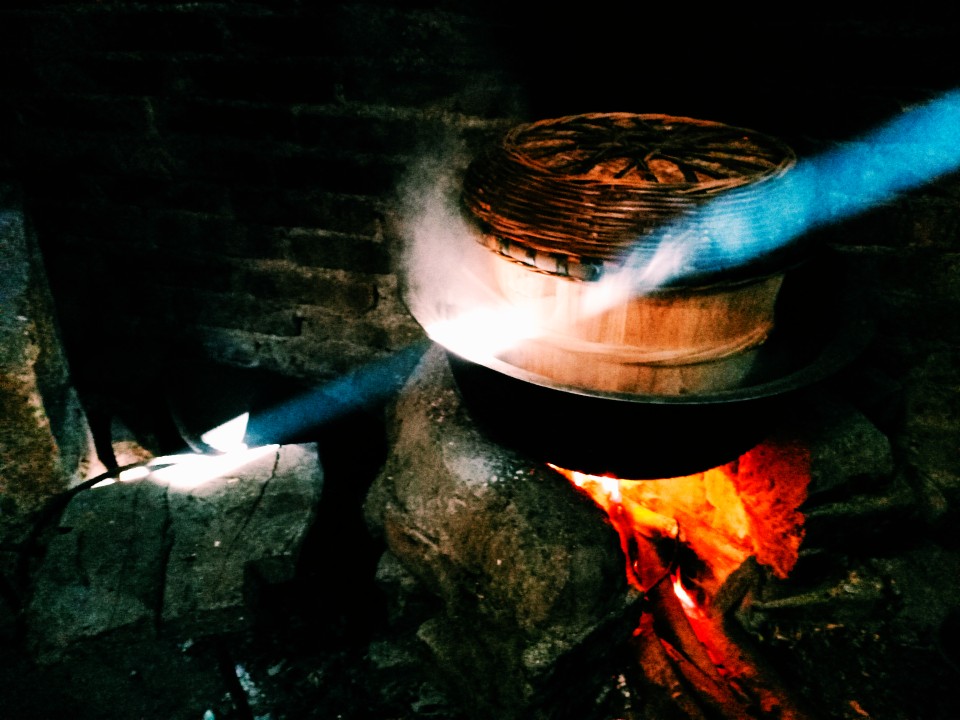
[(567, 203)]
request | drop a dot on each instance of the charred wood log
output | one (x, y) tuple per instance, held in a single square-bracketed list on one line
[(720, 674)]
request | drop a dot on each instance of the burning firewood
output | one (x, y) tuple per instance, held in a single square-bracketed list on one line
[(730, 520), (688, 656)]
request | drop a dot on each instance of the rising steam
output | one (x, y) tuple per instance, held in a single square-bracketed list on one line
[(449, 287), (911, 150)]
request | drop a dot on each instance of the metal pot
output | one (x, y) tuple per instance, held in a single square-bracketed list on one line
[(821, 325)]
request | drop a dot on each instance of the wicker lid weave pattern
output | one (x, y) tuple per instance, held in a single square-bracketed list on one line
[(570, 195)]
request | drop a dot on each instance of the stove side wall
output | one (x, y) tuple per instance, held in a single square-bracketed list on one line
[(44, 439)]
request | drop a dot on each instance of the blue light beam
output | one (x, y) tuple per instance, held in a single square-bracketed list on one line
[(750, 222), (731, 230), (360, 389)]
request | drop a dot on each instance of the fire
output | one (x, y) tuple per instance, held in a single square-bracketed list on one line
[(725, 515), (689, 605), (746, 509)]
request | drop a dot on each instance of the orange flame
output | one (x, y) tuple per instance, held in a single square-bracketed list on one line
[(689, 605), (747, 508)]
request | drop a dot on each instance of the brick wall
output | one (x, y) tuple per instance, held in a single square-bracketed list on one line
[(219, 180)]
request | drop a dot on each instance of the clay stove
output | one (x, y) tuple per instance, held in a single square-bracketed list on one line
[(606, 272), (531, 599), (528, 602)]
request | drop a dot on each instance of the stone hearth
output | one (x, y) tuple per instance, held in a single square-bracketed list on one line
[(514, 585), (500, 589)]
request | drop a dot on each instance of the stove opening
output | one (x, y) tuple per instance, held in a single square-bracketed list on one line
[(689, 543)]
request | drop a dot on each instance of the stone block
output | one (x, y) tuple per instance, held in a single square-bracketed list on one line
[(222, 530), (44, 438), (305, 211), (350, 292), (848, 453), (854, 499), (173, 555), (170, 307), (274, 79), (526, 572), (103, 570), (929, 437), (336, 250)]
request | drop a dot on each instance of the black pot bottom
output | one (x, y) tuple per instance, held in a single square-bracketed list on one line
[(603, 435), (821, 326)]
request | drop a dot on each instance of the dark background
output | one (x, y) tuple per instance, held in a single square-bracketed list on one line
[(220, 183), (220, 180), (217, 184)]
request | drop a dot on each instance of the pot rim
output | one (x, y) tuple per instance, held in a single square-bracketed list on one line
[(813, 337)]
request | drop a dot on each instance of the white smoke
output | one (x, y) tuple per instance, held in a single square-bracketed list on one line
[(442, 265), (447, 274)]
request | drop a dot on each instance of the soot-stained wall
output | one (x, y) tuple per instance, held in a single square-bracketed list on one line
[(222, 181)]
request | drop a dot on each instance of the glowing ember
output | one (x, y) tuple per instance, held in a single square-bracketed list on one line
[(747, 508), (690, 607), (701, 625), (609, 486)]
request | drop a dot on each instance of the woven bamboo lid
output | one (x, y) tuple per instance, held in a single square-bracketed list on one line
[(574, 195)]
